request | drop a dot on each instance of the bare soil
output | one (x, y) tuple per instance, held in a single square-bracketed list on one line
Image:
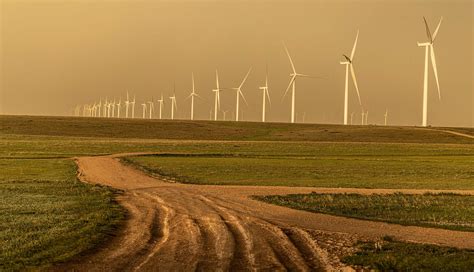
[(182, 227)]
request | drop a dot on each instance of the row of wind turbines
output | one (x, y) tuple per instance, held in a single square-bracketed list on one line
[(113, 109)]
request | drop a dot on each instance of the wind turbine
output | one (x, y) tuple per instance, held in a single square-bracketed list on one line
[(113, 108), (292, 84), (366, 117), (217, 101), (429, 49), (352, 115), (362, 114), (173, 105), (152, 106), (144, 109), (119, 104), (348, 63), (265, 95), (127, 103), (160, 101), (192, 95), (99, 107), (104, 114), (133, 107), (225, 112), (239, 93), (385, 116)]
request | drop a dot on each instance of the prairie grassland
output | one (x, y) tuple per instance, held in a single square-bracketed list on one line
[(320, 170), (48, 215), (392, 255), (449, 211)]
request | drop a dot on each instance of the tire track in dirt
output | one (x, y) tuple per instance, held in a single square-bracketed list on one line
[(183, 227)]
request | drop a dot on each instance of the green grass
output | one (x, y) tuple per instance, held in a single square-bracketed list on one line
[(449, 211), (400, 256), (47, 215), (208, 130), (322, 169)]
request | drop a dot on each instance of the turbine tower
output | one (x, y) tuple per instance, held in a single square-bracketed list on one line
[(348, 62), (133, 107), (127, 103), (192, 95), (160, 101), (152, 106), (429, 50), (265, 95), (385, 116), (173, 105), (239, 93), (144, 109), (119, 104), (217, 100), (292, 84)]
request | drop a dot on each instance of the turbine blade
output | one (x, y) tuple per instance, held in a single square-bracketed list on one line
[(241, 94), (217, 80), (355, 83), (355, 45), (428, 32), (268, 96), (245, 78), (435, 70), (289, 85), (437, 28), (289, 57), (192, 76)]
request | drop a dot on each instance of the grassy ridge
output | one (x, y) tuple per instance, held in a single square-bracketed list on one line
[(208, 130), (48, 215), (449, 211), (323, 169)]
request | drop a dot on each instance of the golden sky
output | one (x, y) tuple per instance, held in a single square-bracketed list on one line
[(57, 54)]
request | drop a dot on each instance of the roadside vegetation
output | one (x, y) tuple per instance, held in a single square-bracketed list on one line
[(47, 215), (449, 211), (392, 255)]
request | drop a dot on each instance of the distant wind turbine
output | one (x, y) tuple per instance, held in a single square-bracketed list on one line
[(133, 107), (160, 101), (239, 93), (144, 110), (173, 105), (127, 103), (192, 95), (217, 99), (152, 106), (265, 96), (429, 49), (366, 117), (119, 104), (348, 62), (385, 116), (292, 84)]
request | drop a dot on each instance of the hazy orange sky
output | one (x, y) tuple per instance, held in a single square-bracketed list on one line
[(57, 54)]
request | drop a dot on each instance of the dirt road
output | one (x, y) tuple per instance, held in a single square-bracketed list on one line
[(179, 227)]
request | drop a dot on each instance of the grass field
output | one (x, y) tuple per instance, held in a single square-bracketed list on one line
[(449, 211), (47, 215), (50, 216), (398, 256), (327, 167)]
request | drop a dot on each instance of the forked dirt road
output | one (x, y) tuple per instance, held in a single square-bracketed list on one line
[(180, 227)]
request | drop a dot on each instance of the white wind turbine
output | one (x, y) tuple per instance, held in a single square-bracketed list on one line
[(133, 107), (292, 84), (224, 113), (348, 62), (173, 105), (192, 95), (239, 93), (429, 49), (127, 103), (113, 108), (119, 104), (385, 116), (366, 117), (217, 101), (152, 106), (265, 96), (160, 101), (352, 116), (104, 113), (99, 107), (144, 110)]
